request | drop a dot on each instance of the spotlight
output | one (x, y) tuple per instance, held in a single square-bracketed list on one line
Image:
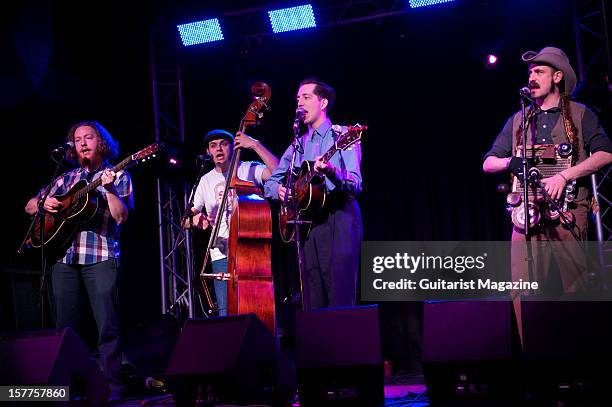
[(491, 61), (426, 3), (200, 32), (292, 18), (173, 158)]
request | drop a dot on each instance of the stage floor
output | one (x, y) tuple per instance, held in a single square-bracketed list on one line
[(400, 391)]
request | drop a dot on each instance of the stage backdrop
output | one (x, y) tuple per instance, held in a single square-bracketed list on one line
[(417, 80)]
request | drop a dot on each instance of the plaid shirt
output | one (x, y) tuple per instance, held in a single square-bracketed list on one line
[(98, 239)]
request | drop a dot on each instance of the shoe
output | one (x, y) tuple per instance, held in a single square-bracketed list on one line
[(293, 300), (116, 393)]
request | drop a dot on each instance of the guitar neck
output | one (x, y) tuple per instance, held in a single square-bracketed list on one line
[(330, 153), (95, 184)]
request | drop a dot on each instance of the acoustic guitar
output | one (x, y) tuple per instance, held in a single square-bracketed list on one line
[(79, 205), (310, 192)]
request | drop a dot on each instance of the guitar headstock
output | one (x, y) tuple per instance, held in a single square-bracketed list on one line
[(349, 135), (147, 152)]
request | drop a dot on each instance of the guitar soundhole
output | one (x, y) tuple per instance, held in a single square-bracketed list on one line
[(318, 180)]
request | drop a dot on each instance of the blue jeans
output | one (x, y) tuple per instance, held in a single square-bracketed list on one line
[(97, 284), (220, 266)]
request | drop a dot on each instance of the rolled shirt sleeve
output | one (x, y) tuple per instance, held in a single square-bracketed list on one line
[(278, 175), (594, 136), (502, 146)]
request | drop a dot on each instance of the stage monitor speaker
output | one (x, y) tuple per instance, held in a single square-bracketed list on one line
[(235, 357), (339, 357), (54, 357), (468, 350), (21, 288), (568, 350)]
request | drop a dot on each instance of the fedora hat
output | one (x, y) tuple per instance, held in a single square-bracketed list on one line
[(557, 59)]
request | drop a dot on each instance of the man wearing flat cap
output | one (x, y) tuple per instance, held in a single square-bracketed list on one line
[(220, 145), (554, 119)]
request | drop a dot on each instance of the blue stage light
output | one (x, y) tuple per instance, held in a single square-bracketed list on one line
[(200, 32), (292, 18), (425, 3)]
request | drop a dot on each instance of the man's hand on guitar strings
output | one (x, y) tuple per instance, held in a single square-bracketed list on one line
[(108, 180), (322, 167), (52, 205)]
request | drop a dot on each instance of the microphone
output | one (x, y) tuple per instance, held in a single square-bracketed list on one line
[(61, 149), (299, 118), (299, 114), (204, 157), (525, 92)]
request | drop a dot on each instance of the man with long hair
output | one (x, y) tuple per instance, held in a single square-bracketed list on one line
[(573, 129), (89, 268)]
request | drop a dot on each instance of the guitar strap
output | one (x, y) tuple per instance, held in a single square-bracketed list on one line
[(340, 153)]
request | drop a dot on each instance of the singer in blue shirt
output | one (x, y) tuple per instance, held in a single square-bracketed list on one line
[(332, 248)]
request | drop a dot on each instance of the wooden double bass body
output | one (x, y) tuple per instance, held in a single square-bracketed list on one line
[(250, 287)]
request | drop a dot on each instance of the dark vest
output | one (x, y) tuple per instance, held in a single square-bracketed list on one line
[(559, 136)]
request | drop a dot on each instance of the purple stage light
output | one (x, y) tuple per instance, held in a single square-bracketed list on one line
[(491, 61)]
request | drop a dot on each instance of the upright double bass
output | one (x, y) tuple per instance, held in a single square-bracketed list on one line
[(250, 286)]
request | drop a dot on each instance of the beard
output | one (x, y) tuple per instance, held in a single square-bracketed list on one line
[(94, 156), (83, 161)]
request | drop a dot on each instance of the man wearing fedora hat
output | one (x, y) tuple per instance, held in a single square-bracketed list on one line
[(220, 146), (551, 81), (553, 119)]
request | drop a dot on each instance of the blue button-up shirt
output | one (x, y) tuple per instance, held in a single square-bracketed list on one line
[(347, 177)]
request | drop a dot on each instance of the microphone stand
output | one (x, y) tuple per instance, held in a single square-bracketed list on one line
[(290, 191), (188, 215), (527, 219), (40, 217)]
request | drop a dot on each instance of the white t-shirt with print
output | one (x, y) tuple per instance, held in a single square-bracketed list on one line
[(209, 194)]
